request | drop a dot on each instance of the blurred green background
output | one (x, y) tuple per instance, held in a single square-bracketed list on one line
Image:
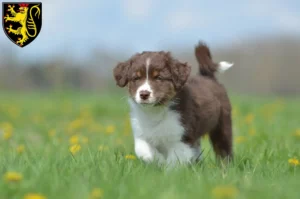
[(81, 42), (64, 124)]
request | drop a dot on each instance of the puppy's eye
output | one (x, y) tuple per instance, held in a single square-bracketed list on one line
[(136, 78), (158, 77)]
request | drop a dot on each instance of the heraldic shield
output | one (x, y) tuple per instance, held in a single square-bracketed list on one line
[(22, 22)]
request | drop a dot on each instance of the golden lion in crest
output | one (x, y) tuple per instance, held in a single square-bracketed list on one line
[(22, 18)]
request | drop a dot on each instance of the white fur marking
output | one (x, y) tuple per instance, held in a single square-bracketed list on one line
[(148, 60), (223, 66), (146, 152), (158, 132), (181, 153), (143, 150), (145, 87)]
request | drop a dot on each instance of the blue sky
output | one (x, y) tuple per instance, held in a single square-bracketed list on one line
[(76, 27)]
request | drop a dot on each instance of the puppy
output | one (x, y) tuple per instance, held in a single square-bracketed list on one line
[(170, 112)]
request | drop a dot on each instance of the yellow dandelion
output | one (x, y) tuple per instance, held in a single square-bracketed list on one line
[(52, 133), (225, 191), (7, 135), (297, 134), (6, 126), (240, 139), (110, 129), (130, 157), (21, 148), (14, 112), (75, 148), (34, 196), (102, 148), (12, 176), (294, 162), (76, 124), (74, 139), (249, 118), (7, 130), (96, 193), (252, 131)]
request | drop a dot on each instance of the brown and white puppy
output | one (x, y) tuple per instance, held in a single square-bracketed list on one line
[(170, 111)]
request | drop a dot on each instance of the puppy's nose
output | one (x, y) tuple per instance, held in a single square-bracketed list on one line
[(144, 95)]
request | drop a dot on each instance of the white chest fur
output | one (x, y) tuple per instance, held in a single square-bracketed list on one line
[(158, 132)]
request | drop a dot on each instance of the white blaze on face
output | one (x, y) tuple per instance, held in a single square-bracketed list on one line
[(145, 87)]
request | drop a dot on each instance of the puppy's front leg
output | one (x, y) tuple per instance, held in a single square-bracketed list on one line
[(181, 153), (145, 151)]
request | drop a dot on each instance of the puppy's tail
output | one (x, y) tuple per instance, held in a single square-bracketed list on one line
[(206, 65)]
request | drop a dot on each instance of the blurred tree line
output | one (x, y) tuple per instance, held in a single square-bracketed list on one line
[(262, 66)]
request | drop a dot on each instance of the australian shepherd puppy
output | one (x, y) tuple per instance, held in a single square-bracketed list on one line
[(171, 111)]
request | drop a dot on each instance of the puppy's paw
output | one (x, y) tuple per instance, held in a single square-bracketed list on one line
[(143, 150)]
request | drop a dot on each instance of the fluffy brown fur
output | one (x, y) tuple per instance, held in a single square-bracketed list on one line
[(201, 100)]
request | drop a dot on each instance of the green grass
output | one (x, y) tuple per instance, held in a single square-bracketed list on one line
[(264, 142)]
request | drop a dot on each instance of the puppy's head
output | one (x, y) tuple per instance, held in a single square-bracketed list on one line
[(152, 77)]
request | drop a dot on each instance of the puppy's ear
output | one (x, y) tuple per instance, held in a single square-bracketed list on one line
[(121, 73), (180, 71)]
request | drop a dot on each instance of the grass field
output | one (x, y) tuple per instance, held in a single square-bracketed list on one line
[(75, 145)]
